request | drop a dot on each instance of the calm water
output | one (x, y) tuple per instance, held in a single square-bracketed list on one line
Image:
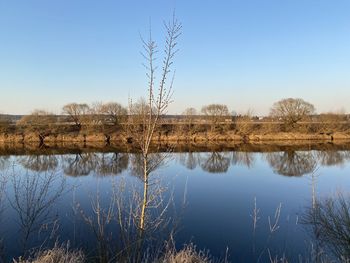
[(209, 197)]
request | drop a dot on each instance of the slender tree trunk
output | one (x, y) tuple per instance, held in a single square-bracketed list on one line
[(145, 194)]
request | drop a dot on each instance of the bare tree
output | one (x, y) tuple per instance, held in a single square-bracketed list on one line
[(113, 112), (99, 222), (76, 112), (3, 182), (34, 197), (190, 114), (215, 113), (290, 111), (329, 220), (243, 122), (5, 121), (40, 122), (93, 116), (332, 121), (157, 102), (38, 117), (135, 216)]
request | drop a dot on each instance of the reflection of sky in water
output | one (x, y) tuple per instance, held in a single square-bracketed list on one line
[(221, 187)]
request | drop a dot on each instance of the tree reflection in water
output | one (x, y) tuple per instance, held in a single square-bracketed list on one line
[(101, 163), (292, 163), (39, 163), (4, 162), (189, 159), (330, 158), (80, 164), (154, 161), (112, 163), (243, 158), (215, 162)]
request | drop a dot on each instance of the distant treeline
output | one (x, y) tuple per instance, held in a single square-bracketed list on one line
[(287, 115)]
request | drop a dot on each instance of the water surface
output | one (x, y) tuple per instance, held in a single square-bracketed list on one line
[(50, 197)]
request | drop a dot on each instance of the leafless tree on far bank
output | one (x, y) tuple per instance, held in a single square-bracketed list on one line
[(190, 114), (38, 117), (243, 123), (76, 112), (215, 113), (333, 121), (290, 111), (40, 122), (4, 121), (113, 113)]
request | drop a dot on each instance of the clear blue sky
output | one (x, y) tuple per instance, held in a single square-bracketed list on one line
[(243, 53)]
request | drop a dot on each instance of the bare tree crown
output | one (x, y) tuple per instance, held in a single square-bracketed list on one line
[(291, 110), (76, 112), (38, 117), (215, 110), (158, 96), (190, 112)]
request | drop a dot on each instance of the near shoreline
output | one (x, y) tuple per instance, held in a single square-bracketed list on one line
[(35, 148), (199, 137)]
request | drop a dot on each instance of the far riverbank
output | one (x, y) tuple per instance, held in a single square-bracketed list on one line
[(167, 137)]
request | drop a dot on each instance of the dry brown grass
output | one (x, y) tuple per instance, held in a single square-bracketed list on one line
[(62, 254), (58, 254), (189, 254)]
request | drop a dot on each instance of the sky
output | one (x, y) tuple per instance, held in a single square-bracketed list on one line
[(246, 54)]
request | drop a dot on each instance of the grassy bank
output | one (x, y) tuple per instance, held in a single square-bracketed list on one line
[(250, 132)]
